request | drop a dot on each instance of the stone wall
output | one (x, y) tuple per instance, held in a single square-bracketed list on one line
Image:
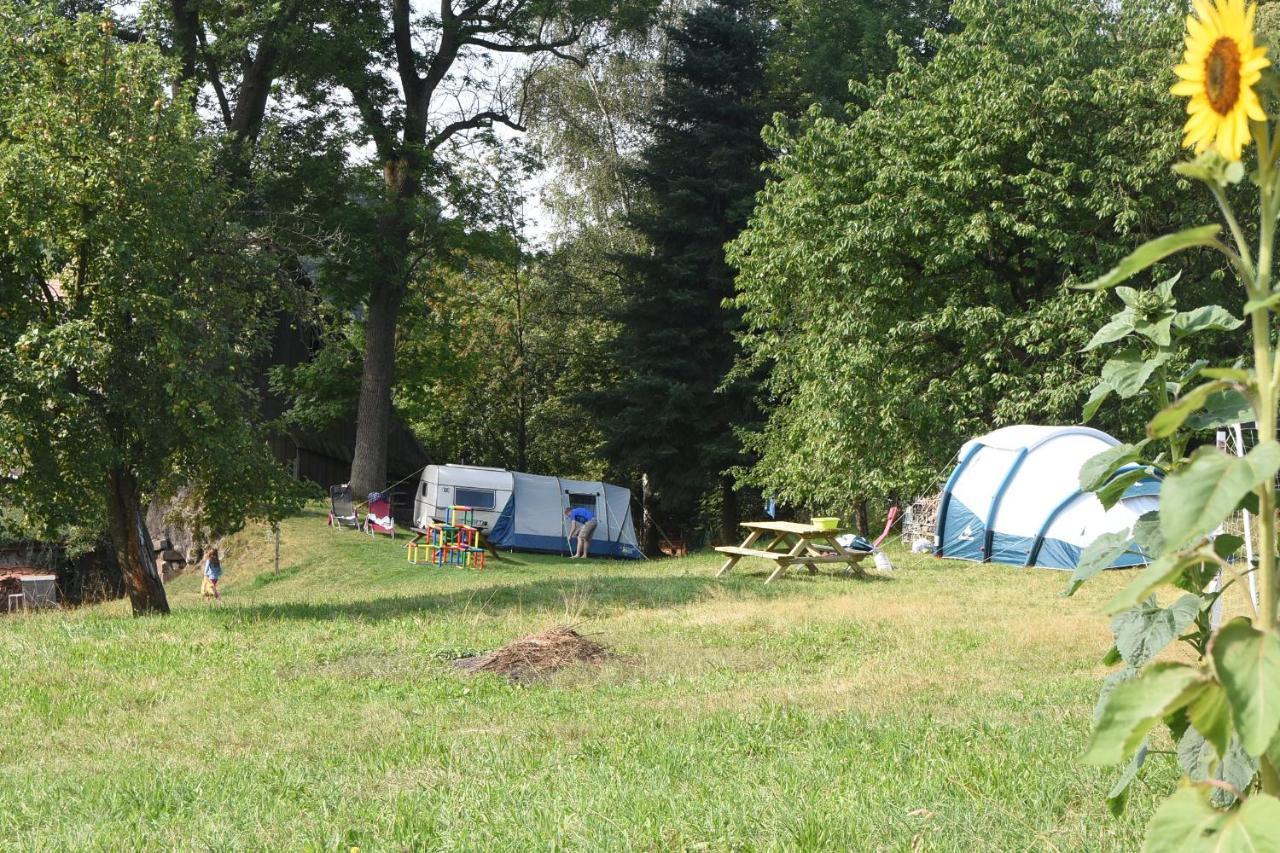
[(177, 548)]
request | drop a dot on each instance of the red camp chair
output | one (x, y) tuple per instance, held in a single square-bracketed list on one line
[(378, 519)]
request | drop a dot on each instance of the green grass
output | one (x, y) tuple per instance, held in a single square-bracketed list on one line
[(941, 708)]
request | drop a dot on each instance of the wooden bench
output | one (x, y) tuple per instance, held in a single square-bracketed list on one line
[(787, 559), (739, 551)]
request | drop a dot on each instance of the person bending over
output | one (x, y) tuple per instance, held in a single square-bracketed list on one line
[(582, 524)]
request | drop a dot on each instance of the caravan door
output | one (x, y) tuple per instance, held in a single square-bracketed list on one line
[(424, 502)]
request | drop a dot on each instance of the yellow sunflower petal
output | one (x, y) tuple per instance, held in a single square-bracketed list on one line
[(1206, 13), (1220, 66), (1196, 30), (1223, 142), (1253, 107), (1190, 71)]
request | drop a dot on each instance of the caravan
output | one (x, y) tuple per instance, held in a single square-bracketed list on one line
[(526, 512)]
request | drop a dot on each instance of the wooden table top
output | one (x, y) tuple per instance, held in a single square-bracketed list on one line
[(791, 527)]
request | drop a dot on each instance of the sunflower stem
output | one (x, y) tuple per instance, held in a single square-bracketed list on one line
[(1264, 365), (1242, 245), (1264, 359)]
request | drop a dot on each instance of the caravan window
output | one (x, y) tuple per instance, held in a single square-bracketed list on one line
[(475, 498), (580, 500)]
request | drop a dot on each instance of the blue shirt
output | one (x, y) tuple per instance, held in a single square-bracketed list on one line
[(581, 515), (212, 570)]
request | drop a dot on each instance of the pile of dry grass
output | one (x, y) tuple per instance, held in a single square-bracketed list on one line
[(536, 655)]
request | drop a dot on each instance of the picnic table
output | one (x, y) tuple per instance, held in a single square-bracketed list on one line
[(790, 543)]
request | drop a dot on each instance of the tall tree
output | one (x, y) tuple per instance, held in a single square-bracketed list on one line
[(669, 416), (421, 84), (131, 305), (904, 275), (590, 122)]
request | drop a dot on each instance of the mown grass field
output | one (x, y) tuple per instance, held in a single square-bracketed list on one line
[(940, 708)]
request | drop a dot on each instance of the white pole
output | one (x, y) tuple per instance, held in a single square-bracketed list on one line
[(1248, 529), (1215, 613)]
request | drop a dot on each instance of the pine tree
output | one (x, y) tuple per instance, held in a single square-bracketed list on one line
[(670, 418)]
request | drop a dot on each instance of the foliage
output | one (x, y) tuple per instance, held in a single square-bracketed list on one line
[(589, 120), (1223, 709), (495, 361), (1151, 363), (902, 275), (820, 47), (132, 307), (668, 417)]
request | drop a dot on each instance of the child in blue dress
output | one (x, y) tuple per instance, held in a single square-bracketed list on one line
[(212, 573)]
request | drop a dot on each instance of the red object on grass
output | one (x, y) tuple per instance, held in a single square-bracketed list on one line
[(888, 525), (378, 519)]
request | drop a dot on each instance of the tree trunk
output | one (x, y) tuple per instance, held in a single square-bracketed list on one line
[(132, 543), (862, 518), (649, 537), (386, 293), (728, 512), (186, 23), (373, 419)]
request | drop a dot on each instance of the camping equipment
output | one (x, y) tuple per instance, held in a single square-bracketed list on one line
[(526, 511), (1015, 498), (378, 519), (890, 520), (342, 511), (825, 523)]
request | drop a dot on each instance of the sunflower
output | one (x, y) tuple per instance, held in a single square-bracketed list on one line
[(1218, 72)]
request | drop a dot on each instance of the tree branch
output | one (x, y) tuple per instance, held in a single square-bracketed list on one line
[(362, 93), (215, 79), (481, 119), (406, 58), (446, 53), (531, 48), (260, 73)]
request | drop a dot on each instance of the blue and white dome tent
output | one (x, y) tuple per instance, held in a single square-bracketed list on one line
[(1014, 497)]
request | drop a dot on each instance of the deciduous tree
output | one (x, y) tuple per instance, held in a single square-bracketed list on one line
[(420, 83), (904, 275), (131, 306)]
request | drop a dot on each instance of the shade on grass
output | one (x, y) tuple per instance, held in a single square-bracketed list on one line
[(948, 702)]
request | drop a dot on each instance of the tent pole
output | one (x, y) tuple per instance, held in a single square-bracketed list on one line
[(1248, 529), (625, 519)]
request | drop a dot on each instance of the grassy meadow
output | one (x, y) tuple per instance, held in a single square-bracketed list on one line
[(941, 707)]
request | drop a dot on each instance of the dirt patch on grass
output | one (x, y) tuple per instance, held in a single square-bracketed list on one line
[(536, 655)]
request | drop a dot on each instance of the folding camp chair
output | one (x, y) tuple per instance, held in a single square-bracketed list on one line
[(378, 519), (342, 512)]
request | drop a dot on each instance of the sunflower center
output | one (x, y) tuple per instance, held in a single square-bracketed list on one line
[(1222, 75)]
